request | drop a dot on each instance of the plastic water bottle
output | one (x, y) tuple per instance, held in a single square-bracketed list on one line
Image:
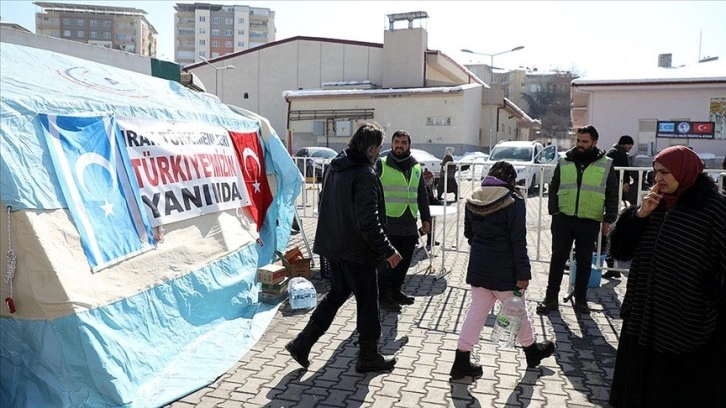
[(509, 320), (302, 293)]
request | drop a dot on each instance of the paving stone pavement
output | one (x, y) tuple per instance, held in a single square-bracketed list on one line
[(424, 336)]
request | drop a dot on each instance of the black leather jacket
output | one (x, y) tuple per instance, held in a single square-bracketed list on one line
[(352, 213)]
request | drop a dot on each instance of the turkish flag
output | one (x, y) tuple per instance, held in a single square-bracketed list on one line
[(702, 128), (252, 162)]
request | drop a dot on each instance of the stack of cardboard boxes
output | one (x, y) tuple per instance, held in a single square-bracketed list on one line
[(274, 283)]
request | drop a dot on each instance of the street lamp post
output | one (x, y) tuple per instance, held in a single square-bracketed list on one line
[(491, 85), (216, 73)]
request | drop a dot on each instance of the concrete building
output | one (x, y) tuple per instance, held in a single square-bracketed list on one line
[(634, 104), (119, 28), (318, 90), (212, 30)]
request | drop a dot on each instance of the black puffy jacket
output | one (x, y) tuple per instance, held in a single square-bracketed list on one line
[(352, 213), (495, 225)]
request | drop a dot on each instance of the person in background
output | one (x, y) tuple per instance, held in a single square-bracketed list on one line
[(429, 183), (619, 154), (582, 194), (351, 235), (404, 192), (672, 348), (448, 171), (495, 225)]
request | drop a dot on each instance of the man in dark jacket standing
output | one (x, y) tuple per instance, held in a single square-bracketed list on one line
[(404, 191), (619, 154), (351, 235), (583, 193)]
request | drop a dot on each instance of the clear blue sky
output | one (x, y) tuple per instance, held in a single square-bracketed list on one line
[(593, 38)]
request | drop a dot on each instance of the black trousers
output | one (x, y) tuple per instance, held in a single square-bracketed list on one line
[(565, 230), (391, 280), (361, 280)]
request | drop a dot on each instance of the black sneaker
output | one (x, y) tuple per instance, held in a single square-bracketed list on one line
[(611, 274), (581, 307), (402, 298), (547, 305), (389, 305)]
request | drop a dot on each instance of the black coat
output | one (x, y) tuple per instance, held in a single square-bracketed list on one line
[(495, 225), (352, 213), (676, 291)]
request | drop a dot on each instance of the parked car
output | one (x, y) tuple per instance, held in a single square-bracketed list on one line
[(525, 156), (317, 158), (476, 165), (426, 159)]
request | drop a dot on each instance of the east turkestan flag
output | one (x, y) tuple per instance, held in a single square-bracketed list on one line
[(93, 170)]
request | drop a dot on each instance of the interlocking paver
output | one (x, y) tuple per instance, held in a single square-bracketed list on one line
[(423, 337)]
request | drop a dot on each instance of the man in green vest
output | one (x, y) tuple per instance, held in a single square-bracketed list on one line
[(582, 195), (404, 192)]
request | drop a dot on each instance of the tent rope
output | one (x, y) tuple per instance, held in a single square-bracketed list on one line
[(10, 272)]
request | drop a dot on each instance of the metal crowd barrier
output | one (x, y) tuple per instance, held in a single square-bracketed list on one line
[(468, 175)]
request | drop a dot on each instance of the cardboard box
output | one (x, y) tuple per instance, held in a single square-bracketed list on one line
[(276, 288), (295, 263), (270, 298), (271, 274)]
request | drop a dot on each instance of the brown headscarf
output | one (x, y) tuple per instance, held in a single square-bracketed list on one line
[(684, 164)]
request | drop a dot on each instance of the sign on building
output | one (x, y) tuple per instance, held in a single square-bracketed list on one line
[(685, 130)]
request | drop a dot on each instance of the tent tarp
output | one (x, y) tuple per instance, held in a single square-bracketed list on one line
[(151, 327)]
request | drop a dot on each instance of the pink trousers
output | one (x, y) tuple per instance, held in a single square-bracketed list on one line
[(482, 302)]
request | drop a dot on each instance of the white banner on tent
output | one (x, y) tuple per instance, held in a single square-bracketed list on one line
[(184, 169)]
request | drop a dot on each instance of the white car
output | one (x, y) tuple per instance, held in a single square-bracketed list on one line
[(527, 158), (475, 165)]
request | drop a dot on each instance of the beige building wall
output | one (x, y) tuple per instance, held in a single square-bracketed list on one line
[(404, 58)]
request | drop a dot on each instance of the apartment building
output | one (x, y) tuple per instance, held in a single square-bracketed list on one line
[(203, 30), (119, 28)]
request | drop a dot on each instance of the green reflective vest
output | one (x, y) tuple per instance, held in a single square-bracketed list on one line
[(589, 200), (398, 193)]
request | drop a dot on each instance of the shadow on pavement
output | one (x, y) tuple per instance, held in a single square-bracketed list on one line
[(521, 395)]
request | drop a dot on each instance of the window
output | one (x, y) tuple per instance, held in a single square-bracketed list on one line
[(202, 30), (66, 33), (215, 32), (80, 34), (215, 54), (228, 44), (228, 33), (215, 43), (202, 18), (438, 121), (94, 34), (240, 43), (229, 21), (93, 23), (55, 34), (66, 21), (202, 42), (107, 23), (79, 22), (215, 20), (241, 20), (186, 31), (107, 35), (202, 53), (240, 32)]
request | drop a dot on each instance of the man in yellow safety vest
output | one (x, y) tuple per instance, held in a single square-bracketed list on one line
[(583, 193), (404, 192)]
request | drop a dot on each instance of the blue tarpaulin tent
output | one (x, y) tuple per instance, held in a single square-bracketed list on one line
[(160, 319)]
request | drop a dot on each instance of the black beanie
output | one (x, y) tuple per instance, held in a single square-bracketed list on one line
[(625, 139)]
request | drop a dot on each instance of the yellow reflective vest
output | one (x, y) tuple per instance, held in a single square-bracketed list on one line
[(589, 200), (398, 193)]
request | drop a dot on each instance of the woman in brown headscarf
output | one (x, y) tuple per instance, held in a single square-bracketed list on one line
[(672, 349)]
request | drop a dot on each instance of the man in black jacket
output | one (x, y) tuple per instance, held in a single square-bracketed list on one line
[(351, 235), (404, 191), (582, 194), (619, 154)]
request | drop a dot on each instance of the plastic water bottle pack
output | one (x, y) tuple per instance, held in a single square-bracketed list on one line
[(302, 293), (509, 320)]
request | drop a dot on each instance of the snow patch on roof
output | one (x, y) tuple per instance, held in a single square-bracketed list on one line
[(389, 91), (706, 71)]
